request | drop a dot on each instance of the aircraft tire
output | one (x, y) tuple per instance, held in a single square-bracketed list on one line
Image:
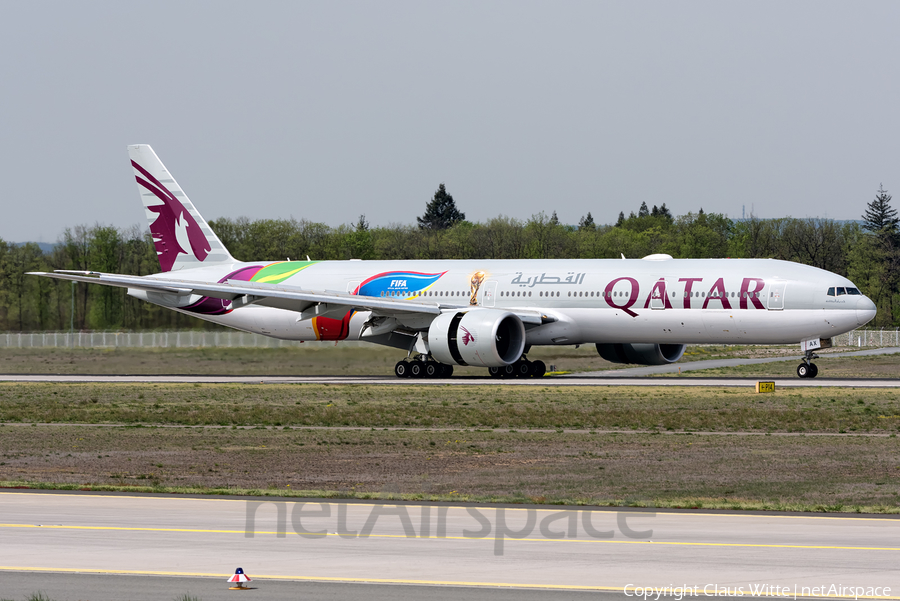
[(495, 372), (538, 369), (523, 369), (813, 370), (401, 370), (803, 370), (433, 369), (416, 369), (508, 371), (446, 371)]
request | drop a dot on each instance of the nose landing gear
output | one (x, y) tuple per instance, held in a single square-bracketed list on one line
[(808, 369)]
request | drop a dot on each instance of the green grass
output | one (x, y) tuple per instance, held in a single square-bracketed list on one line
[(576, 407)]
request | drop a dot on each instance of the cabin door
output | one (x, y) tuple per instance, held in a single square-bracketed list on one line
[(488, 294), (657, 296), (776, 295)]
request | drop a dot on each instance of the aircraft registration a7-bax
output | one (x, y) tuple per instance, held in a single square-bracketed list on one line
[(485, 313)]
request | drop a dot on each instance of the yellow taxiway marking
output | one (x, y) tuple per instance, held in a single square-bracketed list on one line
[(390, 581), (469, 538), (393, 503)]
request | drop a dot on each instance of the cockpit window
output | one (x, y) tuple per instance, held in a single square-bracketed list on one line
[(841, 291)]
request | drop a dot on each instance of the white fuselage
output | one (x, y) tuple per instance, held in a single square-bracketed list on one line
[(677, 301)]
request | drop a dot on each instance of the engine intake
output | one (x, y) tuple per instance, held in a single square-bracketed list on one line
[(641, 354), (480, 337)]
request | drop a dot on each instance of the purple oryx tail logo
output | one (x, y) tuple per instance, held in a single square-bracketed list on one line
[(467, 336), (175, 231)]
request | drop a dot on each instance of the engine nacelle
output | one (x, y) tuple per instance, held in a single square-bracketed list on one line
[(480, 337), (641, 354)]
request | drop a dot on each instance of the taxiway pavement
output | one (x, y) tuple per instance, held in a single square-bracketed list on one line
[(487, 547)]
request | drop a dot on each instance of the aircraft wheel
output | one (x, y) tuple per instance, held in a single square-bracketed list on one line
[(432, 369), (523, 369), (446, 370), (813, 370), (508, 371), (401, 370), (803, 370), (416, 369), (538, 369), (496, 372)]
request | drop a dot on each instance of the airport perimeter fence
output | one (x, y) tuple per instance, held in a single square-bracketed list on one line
[(199, 339)]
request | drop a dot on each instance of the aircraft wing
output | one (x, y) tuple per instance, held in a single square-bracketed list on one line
[(243, 293)]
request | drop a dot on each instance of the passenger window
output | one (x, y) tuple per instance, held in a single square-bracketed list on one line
[(831, 291)]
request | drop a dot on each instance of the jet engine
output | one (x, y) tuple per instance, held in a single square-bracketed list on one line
[(479, 337), (641, 354)]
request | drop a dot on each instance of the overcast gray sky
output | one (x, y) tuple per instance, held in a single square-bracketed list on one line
[(327, 110)]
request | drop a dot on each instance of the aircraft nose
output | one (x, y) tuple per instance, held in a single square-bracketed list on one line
[(865, 310)]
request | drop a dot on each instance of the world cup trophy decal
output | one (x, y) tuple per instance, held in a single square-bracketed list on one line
[(477, 280)]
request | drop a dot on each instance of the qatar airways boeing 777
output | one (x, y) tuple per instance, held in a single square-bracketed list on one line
[(485, 313)]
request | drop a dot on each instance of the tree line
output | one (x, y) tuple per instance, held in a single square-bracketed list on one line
[(867, 253)]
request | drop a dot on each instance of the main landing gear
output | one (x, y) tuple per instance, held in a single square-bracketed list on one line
[(523, 368), (422, 367), (808, 369)]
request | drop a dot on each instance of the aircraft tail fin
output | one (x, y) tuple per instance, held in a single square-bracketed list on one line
[(181, 236)]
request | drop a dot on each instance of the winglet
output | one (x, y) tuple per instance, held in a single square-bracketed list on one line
[(181, 236)]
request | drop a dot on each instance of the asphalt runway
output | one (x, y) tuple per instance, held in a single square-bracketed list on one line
[(819, 382), (99, 542)]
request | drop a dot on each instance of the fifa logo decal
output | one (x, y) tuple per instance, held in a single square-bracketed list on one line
[(467, 336), (477, 280)]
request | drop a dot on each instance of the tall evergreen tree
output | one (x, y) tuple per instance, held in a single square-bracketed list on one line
[(587, 222), (643, 211), (621, 219), (664, 212), (440, 212), (880, 217), (554, 220)]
